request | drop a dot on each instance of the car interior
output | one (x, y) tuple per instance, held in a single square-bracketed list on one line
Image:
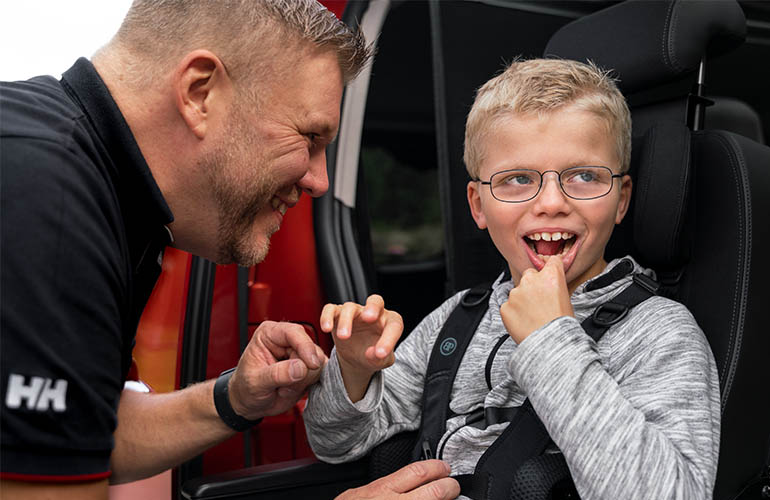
[(695, 75)]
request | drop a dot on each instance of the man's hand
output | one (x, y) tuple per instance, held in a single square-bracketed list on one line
[(538, 299), (418, 481), (365, 337), (275, 369)]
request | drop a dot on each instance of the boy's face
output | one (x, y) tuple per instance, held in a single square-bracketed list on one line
[(555, 141)]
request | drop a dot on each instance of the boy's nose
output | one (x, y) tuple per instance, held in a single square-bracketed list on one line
[(551, 199)]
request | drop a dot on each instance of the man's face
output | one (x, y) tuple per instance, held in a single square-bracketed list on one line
[(554, 141), (272, 151)]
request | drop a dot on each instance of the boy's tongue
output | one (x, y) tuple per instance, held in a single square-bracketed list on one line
[(548, 247)]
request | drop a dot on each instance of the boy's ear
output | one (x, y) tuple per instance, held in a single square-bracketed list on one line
[(474, 202), (625, 198), (201, 88)]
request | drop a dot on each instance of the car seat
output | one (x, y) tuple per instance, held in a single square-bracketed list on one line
[(700, 199)]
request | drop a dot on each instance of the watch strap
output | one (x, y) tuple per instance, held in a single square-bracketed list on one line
[(224, 409)]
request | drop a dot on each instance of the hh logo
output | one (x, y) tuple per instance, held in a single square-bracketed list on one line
[(41, 394)]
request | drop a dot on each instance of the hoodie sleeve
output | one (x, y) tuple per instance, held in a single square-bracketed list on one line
[(340, 431), (652, 431)]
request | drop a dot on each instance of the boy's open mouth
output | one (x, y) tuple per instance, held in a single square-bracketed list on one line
[(545, 244)]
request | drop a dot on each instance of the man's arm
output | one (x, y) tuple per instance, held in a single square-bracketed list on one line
[(158, 431)]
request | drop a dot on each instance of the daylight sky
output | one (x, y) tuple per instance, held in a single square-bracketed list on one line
[(46, 36)]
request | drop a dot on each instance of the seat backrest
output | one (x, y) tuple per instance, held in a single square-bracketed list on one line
[(735, 115), (700, 200)]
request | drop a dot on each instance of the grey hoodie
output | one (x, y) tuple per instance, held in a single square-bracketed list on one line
[(636, 415)]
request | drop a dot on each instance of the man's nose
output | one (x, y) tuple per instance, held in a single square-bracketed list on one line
[(315, 182)]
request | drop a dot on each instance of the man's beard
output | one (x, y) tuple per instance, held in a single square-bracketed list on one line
[(240, 197)]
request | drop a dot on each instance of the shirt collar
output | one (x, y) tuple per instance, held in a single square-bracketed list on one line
[(138, 187), (145, 211)]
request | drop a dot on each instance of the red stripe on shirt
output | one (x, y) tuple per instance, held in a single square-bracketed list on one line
[(40, 478)]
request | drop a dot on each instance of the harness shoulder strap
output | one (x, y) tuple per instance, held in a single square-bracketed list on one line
[(448, 351), (526, 436)]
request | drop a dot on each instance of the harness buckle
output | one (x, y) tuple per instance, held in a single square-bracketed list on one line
[(609, 313)]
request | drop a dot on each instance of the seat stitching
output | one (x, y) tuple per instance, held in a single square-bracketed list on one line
[(666, 34), (736, 339)]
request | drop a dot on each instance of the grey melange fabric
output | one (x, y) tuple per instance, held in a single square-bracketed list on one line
[(636, 415)]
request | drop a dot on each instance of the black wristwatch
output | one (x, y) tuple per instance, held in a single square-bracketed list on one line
[(224, 409)]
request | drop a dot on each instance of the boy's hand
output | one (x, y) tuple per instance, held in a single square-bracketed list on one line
[(539, 298), (365, 337)]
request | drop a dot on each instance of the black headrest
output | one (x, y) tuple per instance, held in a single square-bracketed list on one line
[(650, 42)]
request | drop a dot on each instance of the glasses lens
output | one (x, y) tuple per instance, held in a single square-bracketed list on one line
[(586, 182), (515, 185)]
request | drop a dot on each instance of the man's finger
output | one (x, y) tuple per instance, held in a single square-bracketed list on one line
[(283, 337), (285, 373), (443, 489), (415, 475)]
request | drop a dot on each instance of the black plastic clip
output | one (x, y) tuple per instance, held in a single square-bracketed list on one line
[(427, 454), (474, 297), (608, 314)]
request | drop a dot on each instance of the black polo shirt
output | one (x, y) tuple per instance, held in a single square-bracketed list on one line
[(83, 226)]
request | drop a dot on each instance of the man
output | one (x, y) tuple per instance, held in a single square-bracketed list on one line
[(198, 126)]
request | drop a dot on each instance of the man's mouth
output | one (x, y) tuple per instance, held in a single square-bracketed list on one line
[(278, 205), (546, 244)]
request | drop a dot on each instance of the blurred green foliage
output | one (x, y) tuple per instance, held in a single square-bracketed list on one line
[(404, 208)]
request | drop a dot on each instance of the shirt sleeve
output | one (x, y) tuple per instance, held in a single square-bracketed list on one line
[(650, 432), (64, 292), (340, 431)]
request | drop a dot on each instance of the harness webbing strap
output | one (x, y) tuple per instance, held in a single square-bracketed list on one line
[(448, 350), (524, 438)]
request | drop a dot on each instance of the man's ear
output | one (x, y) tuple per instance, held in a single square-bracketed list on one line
[(201, 87), (474, 202), (625, 198)]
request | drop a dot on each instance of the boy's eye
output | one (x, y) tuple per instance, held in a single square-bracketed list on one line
[(517, 180), (582, 176)]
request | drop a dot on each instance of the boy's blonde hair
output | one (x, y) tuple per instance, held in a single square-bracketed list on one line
[(540, 86)]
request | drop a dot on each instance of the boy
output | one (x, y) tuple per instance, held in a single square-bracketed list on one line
[(636, 414)]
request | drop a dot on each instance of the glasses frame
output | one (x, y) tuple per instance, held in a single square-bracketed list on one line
[(542, 175)]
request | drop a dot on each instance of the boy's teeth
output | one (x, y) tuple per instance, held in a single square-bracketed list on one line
[(550, 236)]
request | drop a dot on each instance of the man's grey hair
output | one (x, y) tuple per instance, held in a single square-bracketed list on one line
[(247, 35)]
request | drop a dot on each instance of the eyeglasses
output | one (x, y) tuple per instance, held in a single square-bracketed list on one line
[(579, 183)]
